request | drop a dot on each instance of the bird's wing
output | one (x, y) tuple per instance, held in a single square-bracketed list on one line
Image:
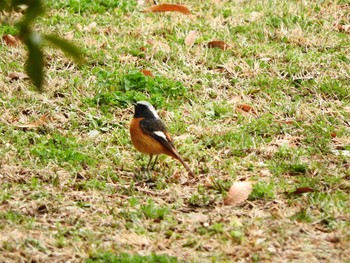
[(157, 130)]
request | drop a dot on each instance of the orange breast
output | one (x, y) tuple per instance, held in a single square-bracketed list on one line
[(145, 143)]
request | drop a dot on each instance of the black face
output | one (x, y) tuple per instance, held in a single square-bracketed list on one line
[(143, 111)]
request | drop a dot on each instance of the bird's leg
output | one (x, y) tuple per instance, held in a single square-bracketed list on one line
[(150, 159), (155, 162)]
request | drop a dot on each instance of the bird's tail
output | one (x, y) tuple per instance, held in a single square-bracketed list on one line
[(178, 157)]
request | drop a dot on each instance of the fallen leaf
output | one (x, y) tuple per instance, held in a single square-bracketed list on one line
[(10, 40), (332, 238), (191, 38), (343, 28), (238, 193), (93, 133), (255, 16), (108, 31), (265, 172), (339, 143), (134, 239), (286, 140), (159, 45), (196, 218), (17, 75), (341, 152), (286, 121), (168, 8), (35, 124), (145, 2), (166, 114), (244, 108), (219, 44), (89, 27), (235, 99), (302, 190), (147, 72), (79, 27), (69, 35), (182, 137)]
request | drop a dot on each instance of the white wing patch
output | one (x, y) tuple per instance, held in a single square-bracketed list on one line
[(160, 134)]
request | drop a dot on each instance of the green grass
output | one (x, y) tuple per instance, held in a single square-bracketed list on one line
[(127, 258), (75, 189)]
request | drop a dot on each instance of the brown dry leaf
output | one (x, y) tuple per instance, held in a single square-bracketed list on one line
[(10, 40), (286, 121), (196, 218), (17, 75), (147, 72), (159, 45), (343, 28), (168, 8), (341, 152), (255, 16), (340, 142), (182, 137), (332, 238), (131, 238), (140, 2), (166, 114), (265, 172), (79, 27), (89, 27), (69, 35), (191, 38), (163, 46), (238, 193), (235, 99), (35, 124), (302, 190), (145, 2), (286, 140), (219, 44), (244, 108)]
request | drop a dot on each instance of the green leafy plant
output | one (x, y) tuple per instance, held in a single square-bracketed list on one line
[(200, 198), (134, 87), (34, 40), (152, 211)]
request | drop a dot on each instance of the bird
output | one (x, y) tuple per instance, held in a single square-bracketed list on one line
[(149, 134)]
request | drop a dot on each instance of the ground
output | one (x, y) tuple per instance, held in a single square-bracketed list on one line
[(271, 108)]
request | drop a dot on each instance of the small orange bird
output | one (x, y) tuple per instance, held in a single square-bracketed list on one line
[(150, 136)]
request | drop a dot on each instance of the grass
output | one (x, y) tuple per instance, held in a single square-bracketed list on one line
[(75, 190)]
